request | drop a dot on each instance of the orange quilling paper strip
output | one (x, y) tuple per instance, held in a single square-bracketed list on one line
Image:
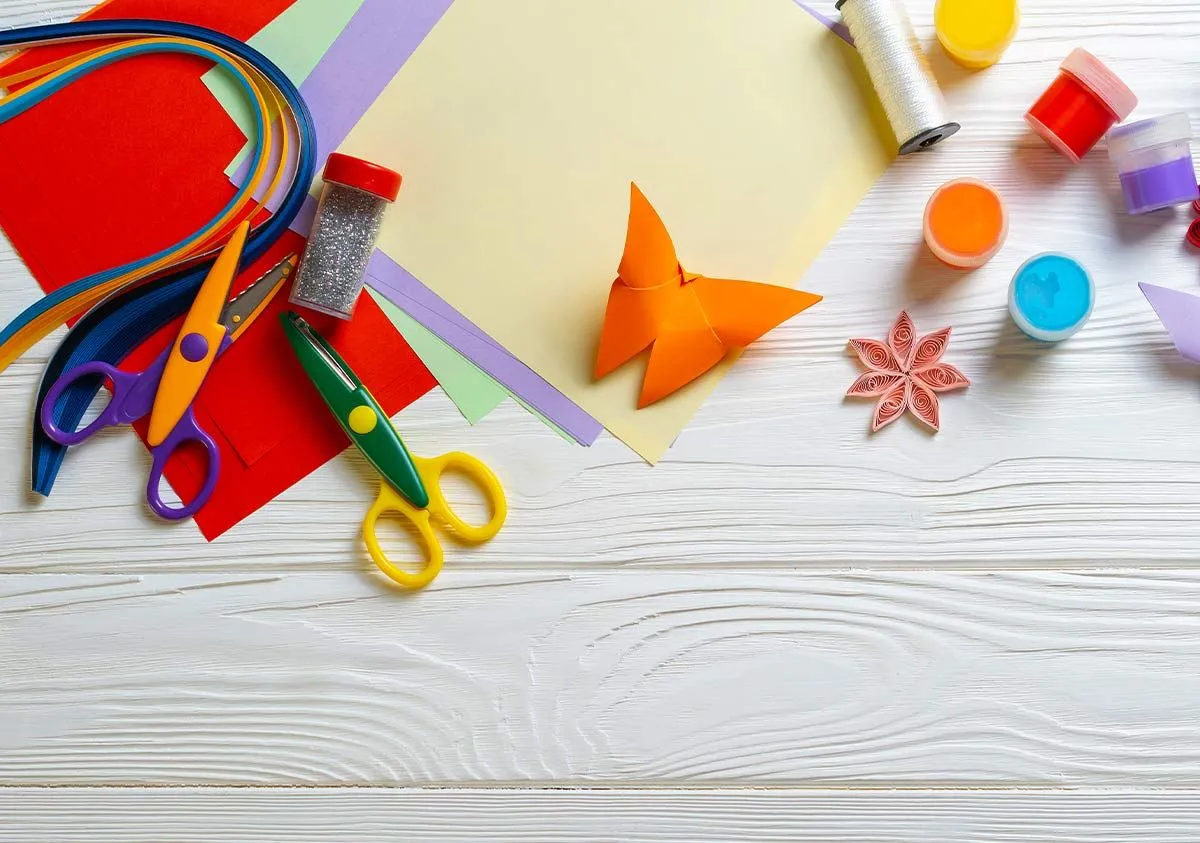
[(691, 321), (905, 374)]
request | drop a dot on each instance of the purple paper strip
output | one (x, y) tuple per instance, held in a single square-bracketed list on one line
[(379, 39), (398, 286), (836, 26)]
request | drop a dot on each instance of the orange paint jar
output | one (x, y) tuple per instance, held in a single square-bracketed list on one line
[(965, 223)]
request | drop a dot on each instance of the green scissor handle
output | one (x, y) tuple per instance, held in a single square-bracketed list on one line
[(356, 410)]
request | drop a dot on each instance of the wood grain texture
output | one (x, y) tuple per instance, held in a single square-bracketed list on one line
[(15, 13), (738, 617), (132, 815), (658, 678), (1078, 455)]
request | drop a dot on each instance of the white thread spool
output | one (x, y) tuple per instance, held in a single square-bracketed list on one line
[(899, 71)]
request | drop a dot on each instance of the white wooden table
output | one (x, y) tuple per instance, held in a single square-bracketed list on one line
[(786, 631)]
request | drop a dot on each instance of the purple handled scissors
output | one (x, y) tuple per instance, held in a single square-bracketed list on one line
[(167, 389)]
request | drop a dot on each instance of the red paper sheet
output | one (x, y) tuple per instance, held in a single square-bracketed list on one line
[(130, 160)]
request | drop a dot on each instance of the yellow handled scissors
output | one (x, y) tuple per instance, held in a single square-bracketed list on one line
[(411, 486)]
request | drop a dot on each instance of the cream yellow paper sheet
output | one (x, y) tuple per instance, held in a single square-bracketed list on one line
[(519, 124)]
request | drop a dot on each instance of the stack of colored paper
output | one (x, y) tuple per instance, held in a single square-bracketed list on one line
[(131, 158), (519, 126)]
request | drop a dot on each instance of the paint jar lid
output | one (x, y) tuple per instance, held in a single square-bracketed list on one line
[(1147, 134), (1051, 296), (1103, 82), (975, 33), (965, 223), (355, 172)]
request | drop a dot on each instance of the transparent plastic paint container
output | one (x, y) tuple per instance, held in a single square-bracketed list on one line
[(965, 223), (1051, 297), (1080, 106), (975, 33), (344, 232), (1154, 159)]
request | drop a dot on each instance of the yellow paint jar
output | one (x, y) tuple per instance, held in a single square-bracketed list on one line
[(975, 33)]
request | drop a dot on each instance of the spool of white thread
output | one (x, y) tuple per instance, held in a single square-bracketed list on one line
[(899, 71)]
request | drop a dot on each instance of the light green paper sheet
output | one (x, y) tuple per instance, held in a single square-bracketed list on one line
[(472, 390), (295, 41)]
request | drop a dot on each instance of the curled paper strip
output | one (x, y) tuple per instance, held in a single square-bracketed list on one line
[(942, 377), (876, 356), (874, 384), (923, 403), (930, 349), (901, 339), (905, 374), (891, 406)]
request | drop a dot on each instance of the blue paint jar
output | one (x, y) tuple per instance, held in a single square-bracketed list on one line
[(1051, 297)]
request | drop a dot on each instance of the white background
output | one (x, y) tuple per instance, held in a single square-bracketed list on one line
[(788, 630)]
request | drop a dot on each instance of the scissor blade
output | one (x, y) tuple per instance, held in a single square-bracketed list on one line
[(326, 356), (241, 311)]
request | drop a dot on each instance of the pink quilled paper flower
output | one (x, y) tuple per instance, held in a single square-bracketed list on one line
[(905, 374)]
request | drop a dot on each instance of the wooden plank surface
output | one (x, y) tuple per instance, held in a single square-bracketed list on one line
[(654, 678), (786, 602), (135, 815)]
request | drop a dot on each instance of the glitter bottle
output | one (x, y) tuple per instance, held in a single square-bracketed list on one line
[(346, 226)]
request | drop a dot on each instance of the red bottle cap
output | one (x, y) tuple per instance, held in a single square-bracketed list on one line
[(355, 172), (1103, 82)]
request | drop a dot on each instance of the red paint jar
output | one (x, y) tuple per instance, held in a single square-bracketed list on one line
[(1081, 105)]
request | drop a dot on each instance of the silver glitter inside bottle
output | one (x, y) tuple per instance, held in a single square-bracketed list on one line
[(344, 232)]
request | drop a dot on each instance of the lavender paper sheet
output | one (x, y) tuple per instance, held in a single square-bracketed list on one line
[(1179, 313)]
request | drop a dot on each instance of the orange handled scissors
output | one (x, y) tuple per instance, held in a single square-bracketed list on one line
[(166, 390)]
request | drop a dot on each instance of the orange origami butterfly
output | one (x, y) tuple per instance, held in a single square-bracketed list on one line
[(691, 321)]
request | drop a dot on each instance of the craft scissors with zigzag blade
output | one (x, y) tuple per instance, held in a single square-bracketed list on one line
[(167, 388)]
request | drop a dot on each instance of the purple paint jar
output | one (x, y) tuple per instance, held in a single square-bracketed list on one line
[(1154, 158)]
